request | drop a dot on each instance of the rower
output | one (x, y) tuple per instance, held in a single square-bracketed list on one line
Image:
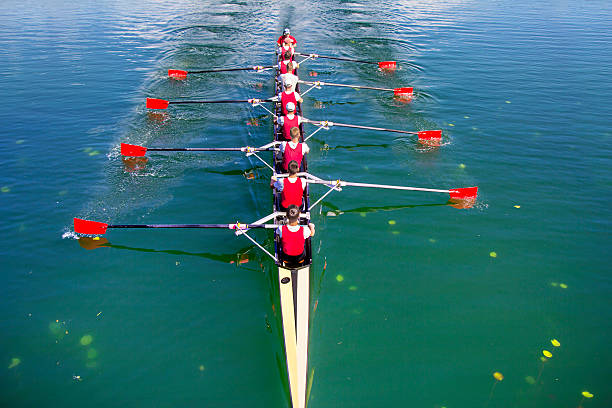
[(283, 64), (287, 72), (291, 188), (287, 46), (289, 95), (293, 237), (290, 120), (293, 150), (286, 35)]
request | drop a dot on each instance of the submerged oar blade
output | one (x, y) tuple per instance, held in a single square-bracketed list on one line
[(177, 74), (404, 92), (132, 150), (387, 65), (430, 137), (153, 103), (464, 194), (89, 227)]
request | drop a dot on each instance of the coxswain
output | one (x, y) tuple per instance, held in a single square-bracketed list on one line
[(291, 188), (286, 34), (293, 237), (289, 95), (290, 120), (293, 150)]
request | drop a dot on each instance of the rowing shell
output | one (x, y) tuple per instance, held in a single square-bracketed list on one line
[(294, 288)]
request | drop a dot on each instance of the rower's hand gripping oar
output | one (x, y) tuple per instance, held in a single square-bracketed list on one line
[(182, 74), (432, 137), (383, 65), (406, 92), (154, 103)]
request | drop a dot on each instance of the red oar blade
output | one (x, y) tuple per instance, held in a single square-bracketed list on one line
[(132, 150), (430, 137), (466, 193), (403, 92), (177, 74), (387, 65), (89, 227), (153, 103)]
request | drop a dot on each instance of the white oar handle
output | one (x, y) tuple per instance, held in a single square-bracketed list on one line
[(386, 186)]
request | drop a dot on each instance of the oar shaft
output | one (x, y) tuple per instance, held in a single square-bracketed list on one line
[(220, 101), (204, 71), (205, 149), (338, 58), (385, 186), (348, 86), (226, 226), (366, 127)]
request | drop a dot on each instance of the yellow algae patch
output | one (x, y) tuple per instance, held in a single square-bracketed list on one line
[(451, 124), (392, 222), (94, 153), (86, 340), (14, 362), (508, 102), (340, 278), (530, 380), (587, 394), (5, 189), (555, 284), (432, 240), (87, 149), (555, 342), (547, 353), (92, 353), (493, 254), (462, 166), (395, 232), (20, 141), (353, 288), (466, 117), (498, 376), (362, 214), (201, 367), (517, 206), (563, 286)]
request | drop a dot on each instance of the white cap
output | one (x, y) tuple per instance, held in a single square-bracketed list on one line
[(286, 32), (290, 106)]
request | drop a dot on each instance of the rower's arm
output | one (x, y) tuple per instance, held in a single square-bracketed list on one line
[(312, 229)]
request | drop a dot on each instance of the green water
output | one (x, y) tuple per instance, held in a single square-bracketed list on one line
[(419, 302)]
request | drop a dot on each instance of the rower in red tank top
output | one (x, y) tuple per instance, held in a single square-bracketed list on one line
[(293, 150), (290, 120), (291, 188), (293, 237), (289, 95), (286, 34)]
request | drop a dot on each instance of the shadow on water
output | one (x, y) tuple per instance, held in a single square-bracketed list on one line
[(240, 257), (335, 210)]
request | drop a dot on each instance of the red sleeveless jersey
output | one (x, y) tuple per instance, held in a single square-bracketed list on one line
[(288, 124), (293, 242), (292, 154), (286, 98), (292, 193)]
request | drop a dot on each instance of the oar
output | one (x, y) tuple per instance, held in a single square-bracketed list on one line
[(182, 74), (465, 193), (153, 103), (388, 65), (137, 151), (424, 135), (404, 92), (98, 228)]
